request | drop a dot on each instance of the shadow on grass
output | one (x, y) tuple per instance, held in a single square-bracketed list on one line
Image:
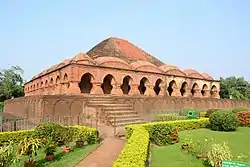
[(57, 157)]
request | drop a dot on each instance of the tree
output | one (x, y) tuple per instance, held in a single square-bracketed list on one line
[(235, 88), (11, 83)]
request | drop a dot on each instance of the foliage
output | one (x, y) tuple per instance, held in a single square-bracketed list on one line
[(198, 147), (67, 136), (29, 146), (209, 112), (218, 153), (163, 135), (50, 146), (91, 135), (170, 117), (202, 114), (223, 121), (15, 136), (50, 130), (239, 109), (11, 83), (244, 118), (7, 155), (234, 88), (135, 151), (1, 106)]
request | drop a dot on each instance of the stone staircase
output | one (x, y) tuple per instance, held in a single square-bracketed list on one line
[(117, 114)]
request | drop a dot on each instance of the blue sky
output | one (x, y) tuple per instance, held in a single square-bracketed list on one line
[(210, 36)]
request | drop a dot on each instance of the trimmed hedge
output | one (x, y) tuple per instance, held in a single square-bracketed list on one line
[(135, 152), (202, 114), (16, 136), (92, 135), (170, 117)]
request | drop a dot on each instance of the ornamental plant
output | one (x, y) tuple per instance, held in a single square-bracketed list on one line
[(223, 121), (7, 155), (163, 135), (244, 118), (209, 112)]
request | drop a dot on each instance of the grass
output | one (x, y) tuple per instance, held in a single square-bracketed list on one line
[(173, 156), (61, 159)]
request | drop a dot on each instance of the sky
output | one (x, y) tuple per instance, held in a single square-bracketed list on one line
[(211, 36)]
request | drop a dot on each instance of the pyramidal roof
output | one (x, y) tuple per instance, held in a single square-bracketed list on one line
[(123, 49)]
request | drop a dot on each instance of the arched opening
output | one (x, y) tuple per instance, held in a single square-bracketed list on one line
[(126, 84), (142, 87), (65, 78), (107, 84), (57, 79), (51, 81), (204, 90), (37, 85), (183, 89), (171, 87), (213, 91), (41, 84), (46, 83), (194, 89), (157, 87), (85, 84)]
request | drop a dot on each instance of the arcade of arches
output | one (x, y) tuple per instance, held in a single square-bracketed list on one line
[(143, 87)]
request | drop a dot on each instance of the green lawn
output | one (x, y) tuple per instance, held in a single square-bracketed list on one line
[(61, 159), (173, 156)]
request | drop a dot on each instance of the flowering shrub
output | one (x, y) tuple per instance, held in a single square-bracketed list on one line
[(244, 118), (163, 135)]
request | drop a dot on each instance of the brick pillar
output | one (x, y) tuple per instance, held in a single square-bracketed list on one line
[(97, 88), (116, 89), (149, 90), (206, 93), (197, 92), (187, 93), (215, 94), (134, 90), (73, 88), (162, 91), (176, 91)]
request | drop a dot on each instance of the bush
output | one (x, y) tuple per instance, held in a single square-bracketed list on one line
[(239, 109), (1, 106), (50, 130), (135, 152), (244, 118), (223, 121), (163, 135), (15, 136), (7, 155), (170, 117), (91, 134), (202, 114), (181, 125), (209, 112)]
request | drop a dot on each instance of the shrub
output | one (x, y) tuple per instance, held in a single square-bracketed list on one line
[(218, 153), (202, 114), (15, 136), (209, 112), (170, 117), (50, 130), (163, 135), (91, 135), (181, 125), (135, 152), (244, 118), (7, 155), (239, 109), (223, 121)]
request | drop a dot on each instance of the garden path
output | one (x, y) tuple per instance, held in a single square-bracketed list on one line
[(106, 153)]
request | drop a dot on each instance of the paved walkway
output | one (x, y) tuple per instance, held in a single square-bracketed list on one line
[(105, 154)]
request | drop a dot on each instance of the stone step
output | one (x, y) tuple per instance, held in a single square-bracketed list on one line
[(119, 120), (129, 123), (123, 115), (121, 112)]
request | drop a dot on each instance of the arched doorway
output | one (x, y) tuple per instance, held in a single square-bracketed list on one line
[(204, 90), (85, 84), (195, 90), (183, 89), (107, 84), (213, 91), (157, 87), (172, 88), (142, 87), (126, 84)]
